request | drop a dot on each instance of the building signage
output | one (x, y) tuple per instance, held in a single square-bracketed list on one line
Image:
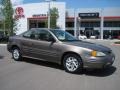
[(19, 13), (89, 15), (39, 15)]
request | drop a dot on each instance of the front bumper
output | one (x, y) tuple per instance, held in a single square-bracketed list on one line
[(99, 62)]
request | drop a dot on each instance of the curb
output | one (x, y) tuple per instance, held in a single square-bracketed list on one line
[(115, 44), (3, 44)]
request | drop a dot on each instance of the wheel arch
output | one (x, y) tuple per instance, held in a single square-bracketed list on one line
[(69, 52), (14, 46)]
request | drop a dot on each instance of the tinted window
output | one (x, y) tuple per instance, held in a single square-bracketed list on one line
[(45, 35), (38, 35), (29, 34)]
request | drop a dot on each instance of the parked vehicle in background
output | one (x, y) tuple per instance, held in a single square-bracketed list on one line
[(92, 37), (60, 47), (1, 35), (82, 37), (118, 37)]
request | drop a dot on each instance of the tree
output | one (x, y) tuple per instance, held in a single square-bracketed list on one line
[(9, 21), (53, 17), (1, 18), (54, 14)]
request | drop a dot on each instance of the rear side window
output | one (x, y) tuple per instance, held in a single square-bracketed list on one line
[(29, 34), (42, 35)]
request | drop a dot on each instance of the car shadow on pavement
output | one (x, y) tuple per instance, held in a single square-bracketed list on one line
[(43, 63), (98, 73)]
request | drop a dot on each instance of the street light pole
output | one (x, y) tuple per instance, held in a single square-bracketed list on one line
[(48, 13), (75, 24), (101, 24)]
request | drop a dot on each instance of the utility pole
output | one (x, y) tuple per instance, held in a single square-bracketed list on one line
[(49, 15), (101, 24), (48, 12), (75, 24)]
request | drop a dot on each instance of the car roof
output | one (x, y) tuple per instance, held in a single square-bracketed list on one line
[(39, 29), (43, 29)]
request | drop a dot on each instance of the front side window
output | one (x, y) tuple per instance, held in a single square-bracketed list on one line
[(63, 36), (45, 35)]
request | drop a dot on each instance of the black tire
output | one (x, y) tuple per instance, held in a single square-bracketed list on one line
[(17, 57), (78, 61)]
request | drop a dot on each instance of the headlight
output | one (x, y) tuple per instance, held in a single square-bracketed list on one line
[(97, 54)]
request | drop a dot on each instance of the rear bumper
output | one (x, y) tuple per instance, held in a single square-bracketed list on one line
[(99, 62)]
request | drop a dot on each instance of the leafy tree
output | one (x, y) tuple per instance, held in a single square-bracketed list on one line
[(54, 14), (53, 17), (9, 21), (1, 18)]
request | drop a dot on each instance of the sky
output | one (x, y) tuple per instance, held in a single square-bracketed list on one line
[(77, 3)]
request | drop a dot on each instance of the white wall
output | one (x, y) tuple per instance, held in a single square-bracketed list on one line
[(40, 8)]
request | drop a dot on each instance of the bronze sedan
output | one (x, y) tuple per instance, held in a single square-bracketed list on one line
[(60, 47)]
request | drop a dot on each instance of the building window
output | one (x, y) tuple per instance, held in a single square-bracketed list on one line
[(70, 31), (32, 24), (90, 24), (69, 24), (112, 24), (36, 24), (41, 24)]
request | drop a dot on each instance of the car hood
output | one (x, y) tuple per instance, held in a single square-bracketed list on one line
[(88, 45)]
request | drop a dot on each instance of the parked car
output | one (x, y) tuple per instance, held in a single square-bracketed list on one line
[(1, 35), (92, 37), (118, 37), (60, 47), (82, 37)]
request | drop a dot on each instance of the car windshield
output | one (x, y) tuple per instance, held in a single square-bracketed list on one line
[(63, 36)]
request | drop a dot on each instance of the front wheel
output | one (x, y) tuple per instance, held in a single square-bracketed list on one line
[(72, 63), (16, 54)]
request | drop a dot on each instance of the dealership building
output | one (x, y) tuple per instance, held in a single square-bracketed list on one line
[(102, 23)]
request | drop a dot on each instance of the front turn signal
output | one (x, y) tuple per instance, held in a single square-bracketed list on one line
[(94, 53)]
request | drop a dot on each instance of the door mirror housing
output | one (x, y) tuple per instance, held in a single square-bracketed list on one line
[(52, 40)]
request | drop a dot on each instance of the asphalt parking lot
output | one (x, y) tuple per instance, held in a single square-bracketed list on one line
[(36, 75)]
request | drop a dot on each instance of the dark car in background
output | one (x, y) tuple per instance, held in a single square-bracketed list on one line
[(60, 47), (1, 35)]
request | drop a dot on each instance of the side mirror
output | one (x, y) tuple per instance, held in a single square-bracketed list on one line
[(52, 40)]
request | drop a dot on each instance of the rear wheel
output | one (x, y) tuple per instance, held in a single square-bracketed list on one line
[(16, 54), (72, 63)]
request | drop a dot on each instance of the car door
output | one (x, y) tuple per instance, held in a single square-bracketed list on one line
[(27, 43), (44, 48)]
